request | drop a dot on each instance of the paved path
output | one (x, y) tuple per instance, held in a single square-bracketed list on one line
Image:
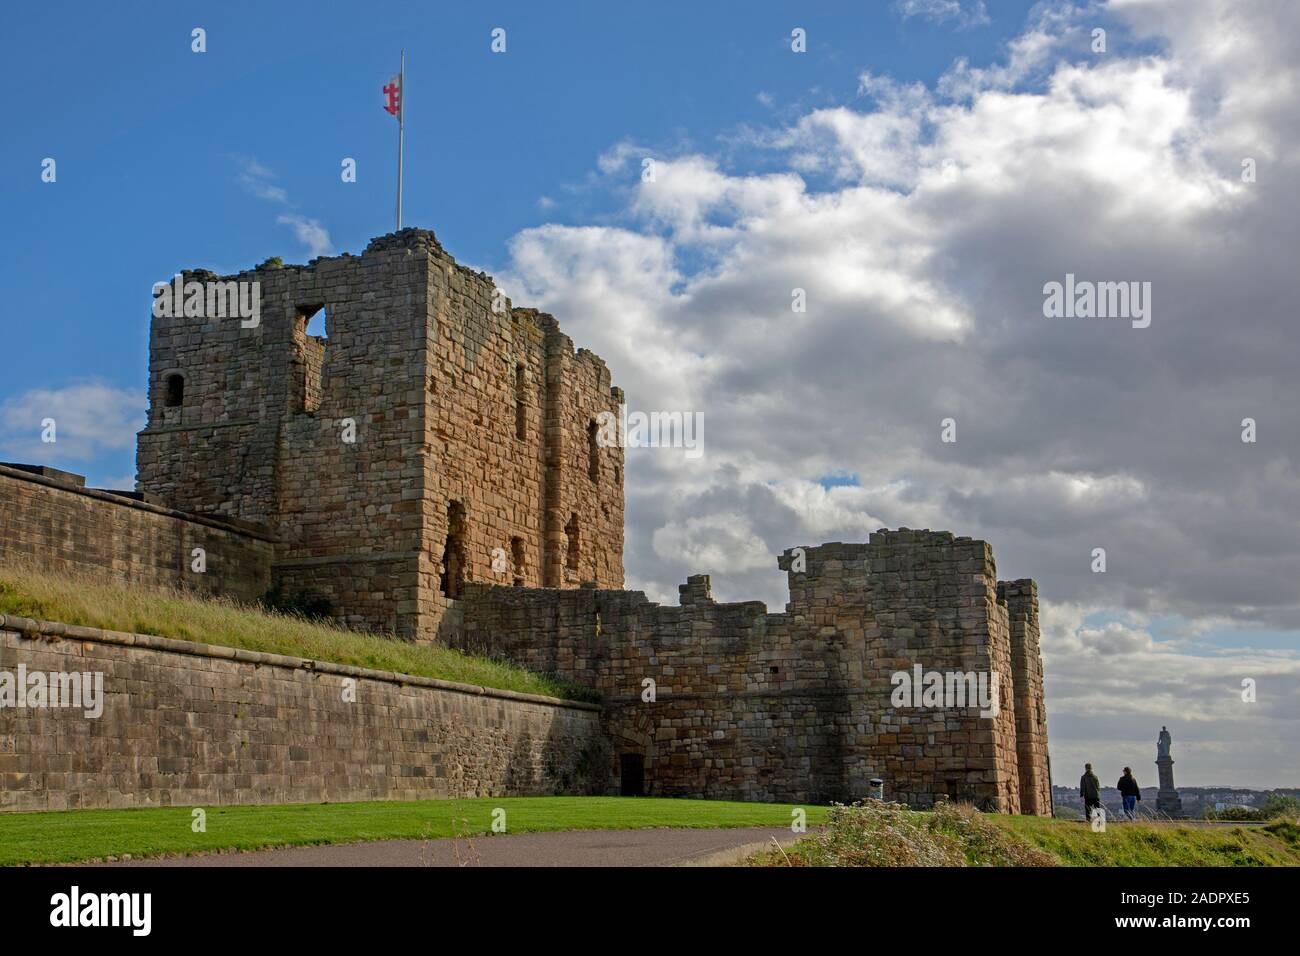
[(653, 847)]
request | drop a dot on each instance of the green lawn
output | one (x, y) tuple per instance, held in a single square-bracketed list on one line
[(79, 835), (89, 834), (91, 602)]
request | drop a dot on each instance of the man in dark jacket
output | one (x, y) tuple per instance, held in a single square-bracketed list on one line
[(1090, 790), (1131, 792)]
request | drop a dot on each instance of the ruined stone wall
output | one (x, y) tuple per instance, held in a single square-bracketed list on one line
[(1021, 598), (262, 432), (50, 522), (794, 706), (485, 482), (215, 452), (586, 500), (347, 515), (722, 725), (193, 725), (431, 366)]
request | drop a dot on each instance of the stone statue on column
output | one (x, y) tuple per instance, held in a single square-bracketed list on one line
[(1167, 800)]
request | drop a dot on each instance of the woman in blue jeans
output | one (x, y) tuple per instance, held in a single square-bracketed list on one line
[(1131, 792)]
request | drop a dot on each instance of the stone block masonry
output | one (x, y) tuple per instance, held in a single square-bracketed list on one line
[(433, 437), (195, 725), (1021, 600), (796, 706), (430, 468), (50, 522)]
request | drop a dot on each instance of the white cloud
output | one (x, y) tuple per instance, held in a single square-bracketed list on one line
[(614, 159), (722, 541), (258, 181), (90, 418), (829, 510), (309, 232), (923, 247), (964, 14)]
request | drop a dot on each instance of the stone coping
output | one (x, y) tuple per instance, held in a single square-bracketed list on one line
[(33, 628), (233, 526)]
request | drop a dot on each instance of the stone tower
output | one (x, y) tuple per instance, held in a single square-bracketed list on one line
[(433, 437)]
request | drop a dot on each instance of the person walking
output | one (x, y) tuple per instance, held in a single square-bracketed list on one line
[(1090, 790), (1130, 791)]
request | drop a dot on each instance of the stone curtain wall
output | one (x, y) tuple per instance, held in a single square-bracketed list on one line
[(793, 706), (50, 522), (194, 725), (424, 357), (745, 709)]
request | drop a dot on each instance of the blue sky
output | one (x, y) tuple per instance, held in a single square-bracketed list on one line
[(921, 176), (151, 138)]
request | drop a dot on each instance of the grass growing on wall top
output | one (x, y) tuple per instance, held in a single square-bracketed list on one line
[(93, 602), (75, 835)]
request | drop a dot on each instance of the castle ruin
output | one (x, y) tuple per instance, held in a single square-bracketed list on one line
[(429, 468), (471, 433)]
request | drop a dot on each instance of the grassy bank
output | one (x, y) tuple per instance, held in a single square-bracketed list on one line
[(1160, 844), (884, 834), (88, 601), (78, 835), (874, 833)]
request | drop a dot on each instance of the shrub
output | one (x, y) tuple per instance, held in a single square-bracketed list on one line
[(1278, 806), (1241, 814), (875, 833)]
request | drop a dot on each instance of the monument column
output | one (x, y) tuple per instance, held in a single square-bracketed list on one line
[(1167, 800)]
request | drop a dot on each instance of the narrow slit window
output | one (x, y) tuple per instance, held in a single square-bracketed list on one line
[(175, 391), (517, 560), (311, 342), (521, 403), (452, 578), (571, 532)]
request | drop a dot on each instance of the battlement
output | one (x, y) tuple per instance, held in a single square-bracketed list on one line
[(797, 706)]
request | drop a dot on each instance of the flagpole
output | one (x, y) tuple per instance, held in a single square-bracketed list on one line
[(401, 123)]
